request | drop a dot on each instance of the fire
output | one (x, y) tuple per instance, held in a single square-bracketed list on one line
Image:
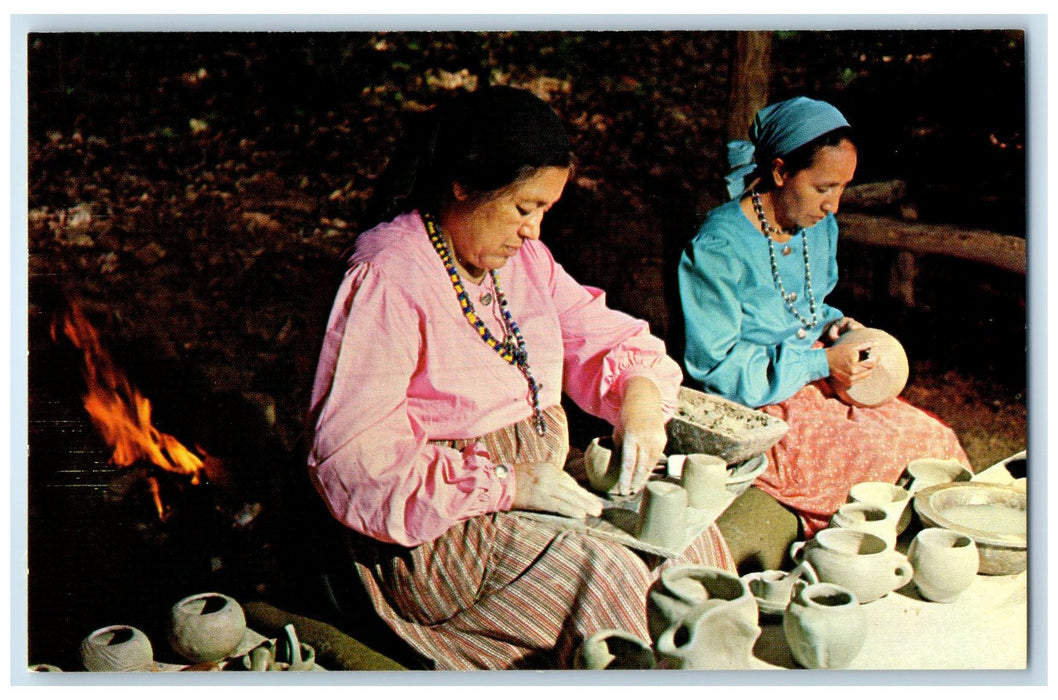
[(117, 408)]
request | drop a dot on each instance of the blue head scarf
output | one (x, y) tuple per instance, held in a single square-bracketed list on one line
[(777, 130)]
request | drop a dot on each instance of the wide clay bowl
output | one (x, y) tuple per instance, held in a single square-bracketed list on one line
[(994, 516), (889, 376)]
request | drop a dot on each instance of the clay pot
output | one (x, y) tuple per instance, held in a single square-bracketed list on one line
[(206, 627), (930, 471), (858, 561), (117, 648), (889, 376), (663, 515), (602, 462), (945, 563), (613, 649), (824, 625), (890, 497), (865, 517), (704, 477), (702, 617)]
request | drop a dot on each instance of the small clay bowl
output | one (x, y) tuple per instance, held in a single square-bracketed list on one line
[(117, 648), (206, 627)]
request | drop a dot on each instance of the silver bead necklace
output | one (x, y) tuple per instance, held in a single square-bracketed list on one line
[(789, 298)]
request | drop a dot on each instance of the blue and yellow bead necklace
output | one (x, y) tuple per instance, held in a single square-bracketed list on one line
[(512, 348)]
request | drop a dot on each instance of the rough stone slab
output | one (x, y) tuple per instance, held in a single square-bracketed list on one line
[(707, 424)]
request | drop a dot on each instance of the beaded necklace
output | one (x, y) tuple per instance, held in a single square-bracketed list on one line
[(766, 228), (512, 349)]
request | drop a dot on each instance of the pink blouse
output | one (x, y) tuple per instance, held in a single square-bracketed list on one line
[(400, 366)]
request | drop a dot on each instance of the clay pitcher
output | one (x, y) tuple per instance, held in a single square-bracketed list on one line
[(613, 649), (945, 563), (824, 625), (858, 561), (206, 627), (892, 498), (865, 517), (703, 618)]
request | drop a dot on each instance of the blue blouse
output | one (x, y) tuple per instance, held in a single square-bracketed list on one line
[(741, 339)]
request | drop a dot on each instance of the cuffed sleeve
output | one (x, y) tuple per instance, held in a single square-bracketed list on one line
[(603, 348)]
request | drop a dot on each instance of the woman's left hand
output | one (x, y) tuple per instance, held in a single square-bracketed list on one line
[(640, 433), (842, 325)]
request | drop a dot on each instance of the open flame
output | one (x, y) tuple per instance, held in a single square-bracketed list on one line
[(119, 411)]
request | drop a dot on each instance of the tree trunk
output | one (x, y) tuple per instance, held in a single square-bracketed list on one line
[(750, 78)]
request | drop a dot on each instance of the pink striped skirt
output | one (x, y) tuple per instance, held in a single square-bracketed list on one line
[(500, 591), (831, 446)]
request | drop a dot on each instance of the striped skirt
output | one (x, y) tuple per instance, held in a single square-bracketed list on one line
[(500, 591), (831, 446)]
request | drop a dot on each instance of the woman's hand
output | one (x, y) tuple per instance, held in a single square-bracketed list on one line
[(837, 328), (846, 365), (543, 486), (639, 434)]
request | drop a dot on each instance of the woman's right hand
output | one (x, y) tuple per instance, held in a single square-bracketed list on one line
[(845, 364), (543, 486)]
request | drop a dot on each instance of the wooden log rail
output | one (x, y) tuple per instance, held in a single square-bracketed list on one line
[(1003, 251)]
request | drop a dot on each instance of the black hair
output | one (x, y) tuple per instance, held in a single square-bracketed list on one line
[(803, 156), (485, 140)]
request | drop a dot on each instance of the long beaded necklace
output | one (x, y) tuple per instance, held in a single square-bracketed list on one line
[(789, 298), (512, 349)]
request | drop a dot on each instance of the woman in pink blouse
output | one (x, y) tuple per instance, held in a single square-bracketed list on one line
[(437, 405)]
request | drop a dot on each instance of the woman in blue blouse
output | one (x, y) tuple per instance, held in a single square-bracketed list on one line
[(753, 284)]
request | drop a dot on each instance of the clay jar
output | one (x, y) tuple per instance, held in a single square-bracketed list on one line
[(206, 627), (613, 649), (663, 515), (824, 625), (945, 563), (858, 561), (117, 648), (887, 379), (865, 517), (703, 618), (602, 462), (890, 497)]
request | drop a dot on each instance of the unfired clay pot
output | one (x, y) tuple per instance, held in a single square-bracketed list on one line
[(945, 563), (858, 561), (703, 618), (891, 497), (206, 627), (663, 514), (824, 625), (602, 462), (613, 649), (865, 517), (117, 648), (889, 376)]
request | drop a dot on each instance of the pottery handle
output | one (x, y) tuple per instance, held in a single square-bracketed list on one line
[(903, 571), (808, 572)]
